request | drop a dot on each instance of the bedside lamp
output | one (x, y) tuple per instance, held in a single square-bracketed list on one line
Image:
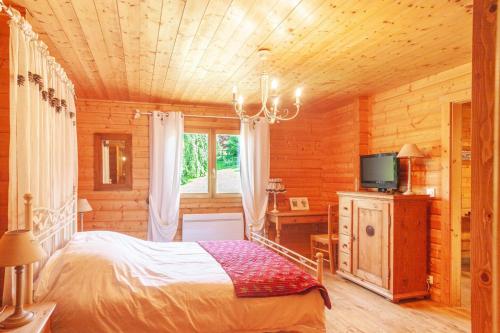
[(410, 150), (83, 206), (18, 248)]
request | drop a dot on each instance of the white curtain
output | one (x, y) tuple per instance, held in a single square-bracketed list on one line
[(165, 160), (255, 164), (43, 148)]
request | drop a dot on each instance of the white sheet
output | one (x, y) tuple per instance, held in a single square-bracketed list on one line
[(109, 282)]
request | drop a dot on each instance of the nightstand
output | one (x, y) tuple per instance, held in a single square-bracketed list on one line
[(41, 322)]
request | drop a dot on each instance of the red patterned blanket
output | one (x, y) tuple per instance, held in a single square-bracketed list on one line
[(259, 272)]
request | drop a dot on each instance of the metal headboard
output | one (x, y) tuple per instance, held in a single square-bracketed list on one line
[(52, 228)]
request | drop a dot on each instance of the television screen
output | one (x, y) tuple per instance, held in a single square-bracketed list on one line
[(380, 171)]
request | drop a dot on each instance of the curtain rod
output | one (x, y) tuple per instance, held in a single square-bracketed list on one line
[(138, 115)]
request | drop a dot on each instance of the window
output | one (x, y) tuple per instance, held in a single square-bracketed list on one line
[(194, 177), (211, 166), (228, 163)]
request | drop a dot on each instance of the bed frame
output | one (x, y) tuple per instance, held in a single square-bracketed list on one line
[(52, 228), (306, 264)]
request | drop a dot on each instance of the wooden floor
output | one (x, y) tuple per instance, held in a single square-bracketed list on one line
[(357, 310)]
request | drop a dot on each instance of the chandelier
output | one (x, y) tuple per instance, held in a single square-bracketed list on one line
[(273, 113)]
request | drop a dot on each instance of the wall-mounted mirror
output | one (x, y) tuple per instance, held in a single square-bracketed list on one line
[(112, 161)]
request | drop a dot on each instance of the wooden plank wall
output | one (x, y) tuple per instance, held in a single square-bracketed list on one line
[(127, 211), (485, 283), (338, 145), (296, 157), (345, 138), (412, 114), (4, 129), (407, 114)]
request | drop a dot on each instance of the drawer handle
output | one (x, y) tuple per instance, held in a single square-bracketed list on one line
[(370, 231), (344, 263), (345, 208), (345, 226), (344, 246)]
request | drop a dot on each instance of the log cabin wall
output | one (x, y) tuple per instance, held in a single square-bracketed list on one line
[(296, 157), (345, 137), (127, 211), (412, 114), (407, 114)]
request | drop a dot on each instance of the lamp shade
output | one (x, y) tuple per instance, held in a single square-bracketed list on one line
[(83, 206), (19, 247), (410, 150)]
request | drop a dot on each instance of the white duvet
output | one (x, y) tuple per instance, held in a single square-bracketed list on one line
[(109, 282)]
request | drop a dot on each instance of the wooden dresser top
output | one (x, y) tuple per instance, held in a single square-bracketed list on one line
[(380, 195)]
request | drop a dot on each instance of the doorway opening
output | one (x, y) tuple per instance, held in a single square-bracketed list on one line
[(460, 202)]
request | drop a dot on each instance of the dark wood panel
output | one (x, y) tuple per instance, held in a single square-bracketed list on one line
[(484, 216)]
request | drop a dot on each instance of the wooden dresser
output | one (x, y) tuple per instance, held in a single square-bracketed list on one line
[(383, 243)]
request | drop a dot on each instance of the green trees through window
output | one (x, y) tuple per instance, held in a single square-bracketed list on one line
[(195, 163), (228, 151), (228, 163)]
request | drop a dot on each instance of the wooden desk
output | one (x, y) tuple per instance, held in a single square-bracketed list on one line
[(294, 217)]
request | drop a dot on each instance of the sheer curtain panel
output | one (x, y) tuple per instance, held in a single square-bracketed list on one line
[(165, 160), (255, 155), (43, 148)]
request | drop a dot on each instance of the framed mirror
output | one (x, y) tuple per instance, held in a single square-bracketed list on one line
[(112, 162)]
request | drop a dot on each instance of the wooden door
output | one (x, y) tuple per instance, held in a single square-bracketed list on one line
[(370, 243)]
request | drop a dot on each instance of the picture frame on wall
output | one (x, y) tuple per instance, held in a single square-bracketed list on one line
[(299, 203)]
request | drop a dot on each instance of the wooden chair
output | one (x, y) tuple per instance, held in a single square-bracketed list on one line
[(327, 243)]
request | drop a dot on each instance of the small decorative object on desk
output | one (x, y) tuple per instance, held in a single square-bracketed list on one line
[(299, 204), (275, 186)]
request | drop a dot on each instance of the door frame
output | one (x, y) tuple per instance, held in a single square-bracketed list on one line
[(451, 242)]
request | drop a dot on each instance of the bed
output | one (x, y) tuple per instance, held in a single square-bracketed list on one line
[(109, 282)]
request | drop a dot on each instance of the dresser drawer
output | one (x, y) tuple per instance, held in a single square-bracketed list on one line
[(345, 205), (344, 225), (345, 243), (344, 261)]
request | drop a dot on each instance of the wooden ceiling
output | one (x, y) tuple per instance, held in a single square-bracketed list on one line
[(194, 51)]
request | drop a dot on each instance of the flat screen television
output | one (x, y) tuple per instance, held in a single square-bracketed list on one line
[(380, 171)]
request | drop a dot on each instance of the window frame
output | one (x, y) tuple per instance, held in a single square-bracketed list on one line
[(212, 165)]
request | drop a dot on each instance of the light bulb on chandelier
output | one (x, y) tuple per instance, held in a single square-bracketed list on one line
[(273, 113)]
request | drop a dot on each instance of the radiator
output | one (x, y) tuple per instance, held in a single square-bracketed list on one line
[(221, 226)]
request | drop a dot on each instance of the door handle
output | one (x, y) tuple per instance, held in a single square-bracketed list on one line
[(370, 230)]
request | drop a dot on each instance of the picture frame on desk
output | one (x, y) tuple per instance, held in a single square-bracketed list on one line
[(299, 203)]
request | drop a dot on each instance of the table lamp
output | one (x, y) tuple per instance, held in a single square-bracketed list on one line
[(275, 186), (83, 206), (410, 150), (18, 248)]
